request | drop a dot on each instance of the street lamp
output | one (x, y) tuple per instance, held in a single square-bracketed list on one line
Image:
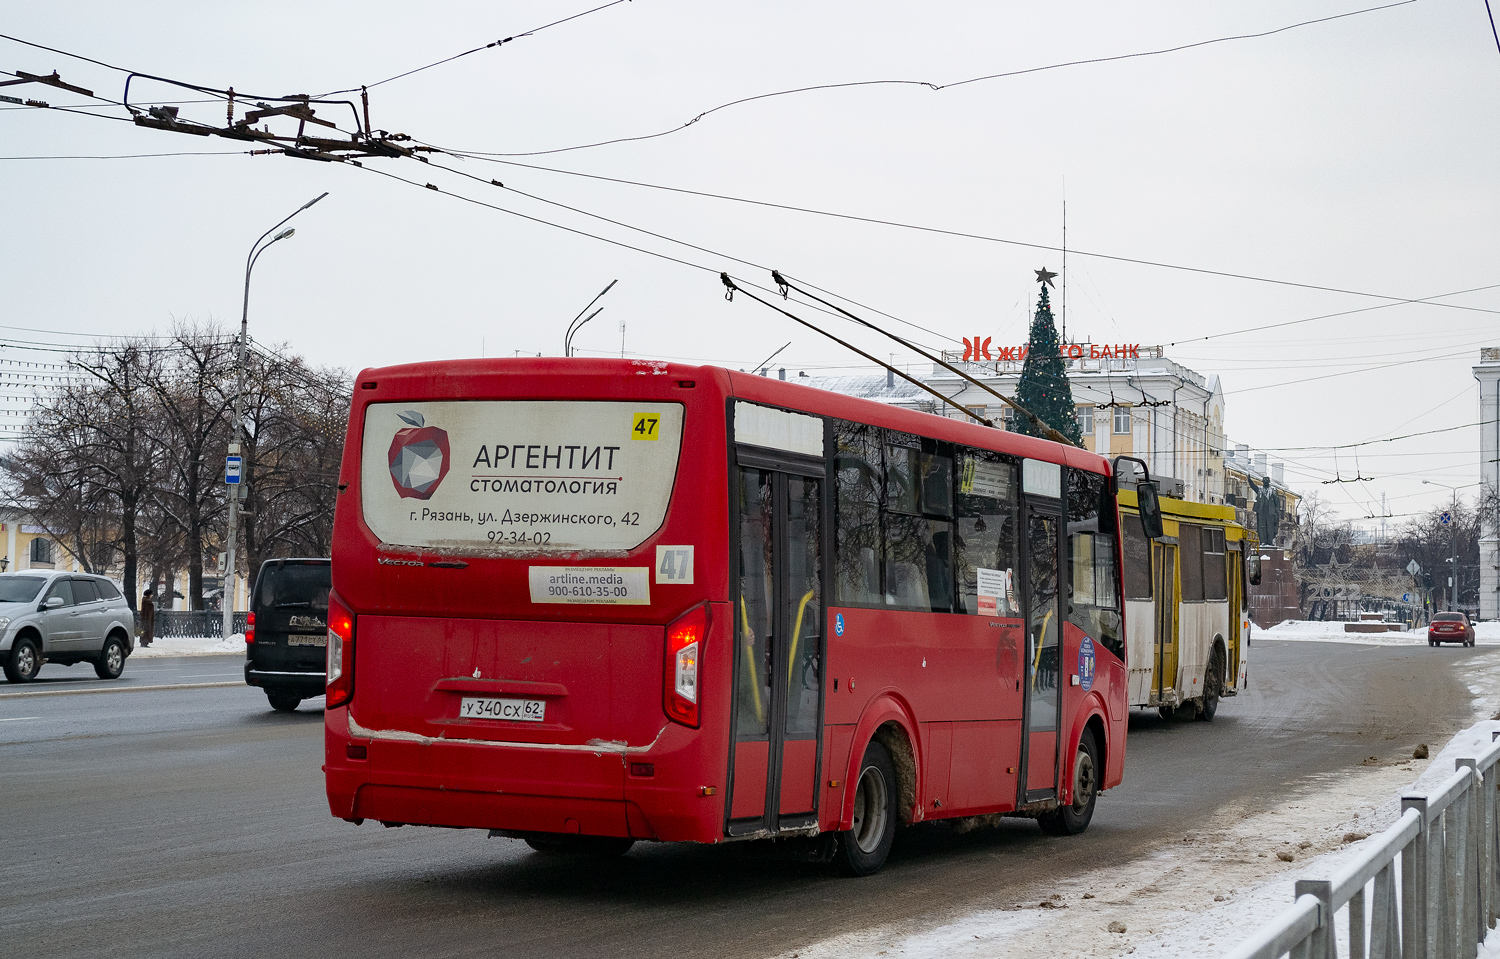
[(1452, 522), (256, 249), (576, 325)]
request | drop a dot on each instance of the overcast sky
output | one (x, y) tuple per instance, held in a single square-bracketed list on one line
[(1357, 154)]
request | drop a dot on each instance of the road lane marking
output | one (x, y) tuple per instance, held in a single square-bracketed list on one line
[(18, 719), (117, 689)]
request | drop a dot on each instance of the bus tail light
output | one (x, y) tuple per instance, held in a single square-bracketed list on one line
[(340, 655), (249, 627), (685, 638)]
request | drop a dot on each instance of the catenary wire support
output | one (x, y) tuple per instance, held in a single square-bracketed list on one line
[(783, 285)]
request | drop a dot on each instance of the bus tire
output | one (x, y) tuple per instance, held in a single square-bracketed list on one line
[(1072, 819), (596, 847), (1213, 684), (863, 849)]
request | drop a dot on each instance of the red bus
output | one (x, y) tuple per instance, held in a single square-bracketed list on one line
[(588, 602)]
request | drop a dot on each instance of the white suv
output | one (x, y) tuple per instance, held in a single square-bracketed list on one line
[(63, 618)]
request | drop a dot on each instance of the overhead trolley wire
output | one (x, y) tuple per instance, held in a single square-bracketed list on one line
[(965, 235), (487, 46), (956, 83)]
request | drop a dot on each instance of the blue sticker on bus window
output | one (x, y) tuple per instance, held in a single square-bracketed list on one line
[(838, 624), (1086, 664)]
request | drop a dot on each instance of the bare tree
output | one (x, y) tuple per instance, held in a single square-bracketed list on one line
[(194, 400)]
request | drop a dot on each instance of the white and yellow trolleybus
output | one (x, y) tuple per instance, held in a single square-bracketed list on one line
[(1187, 606)]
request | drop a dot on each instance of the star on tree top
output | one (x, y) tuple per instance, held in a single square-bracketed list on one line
[(1044, 275)]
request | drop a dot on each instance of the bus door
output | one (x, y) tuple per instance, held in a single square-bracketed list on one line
[(778, 651), (1236, 593), (1165, 565), (1041, 713)]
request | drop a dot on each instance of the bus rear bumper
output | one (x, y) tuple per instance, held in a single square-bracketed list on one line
[(513, 788)]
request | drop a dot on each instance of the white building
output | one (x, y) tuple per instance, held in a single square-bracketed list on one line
[(1488, 375)]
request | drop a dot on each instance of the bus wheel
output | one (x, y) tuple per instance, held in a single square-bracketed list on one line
[(1213, 684), (598, 847), (1073, 819), (863, 849)]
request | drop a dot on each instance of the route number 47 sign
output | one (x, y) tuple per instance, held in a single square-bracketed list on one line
[(674, 564)]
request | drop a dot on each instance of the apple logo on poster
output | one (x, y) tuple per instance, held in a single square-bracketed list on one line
[(419, 457)]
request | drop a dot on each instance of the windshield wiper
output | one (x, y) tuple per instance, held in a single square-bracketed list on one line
[(304, 604)]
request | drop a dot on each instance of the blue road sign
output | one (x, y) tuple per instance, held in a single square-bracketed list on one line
[(232, 466), (1446, 518)]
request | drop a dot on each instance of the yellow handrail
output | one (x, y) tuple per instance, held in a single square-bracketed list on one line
[(1037, 659), (760, 715), (796, 633)]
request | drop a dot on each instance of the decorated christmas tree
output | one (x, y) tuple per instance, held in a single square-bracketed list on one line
[(1044, 388)]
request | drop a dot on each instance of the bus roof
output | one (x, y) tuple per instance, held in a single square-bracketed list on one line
[(477, 379)]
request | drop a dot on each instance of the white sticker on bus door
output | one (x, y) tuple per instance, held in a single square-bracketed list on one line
[(674, 564), (550, 476), (600, 585), (991, 589)]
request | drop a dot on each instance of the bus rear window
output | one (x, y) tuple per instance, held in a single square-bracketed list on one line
[(487, 475)]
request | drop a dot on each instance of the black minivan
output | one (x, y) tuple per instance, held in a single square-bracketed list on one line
[(286, 640)]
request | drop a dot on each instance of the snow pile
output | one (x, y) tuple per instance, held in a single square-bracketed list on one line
[(1297, 630), (167, 646)]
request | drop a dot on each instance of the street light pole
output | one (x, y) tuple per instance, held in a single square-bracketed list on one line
[(256, 249), (1453, 541)]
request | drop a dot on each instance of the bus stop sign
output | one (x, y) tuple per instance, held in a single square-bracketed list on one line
[(232, 466)]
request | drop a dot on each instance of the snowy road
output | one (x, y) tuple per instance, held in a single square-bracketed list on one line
[(192, 821)]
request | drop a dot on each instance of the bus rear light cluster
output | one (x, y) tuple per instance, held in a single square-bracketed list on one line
[(249, 628), (340, 655), (685, 639)]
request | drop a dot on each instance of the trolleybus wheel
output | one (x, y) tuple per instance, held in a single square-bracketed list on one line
[(598, 847), (863, 849), (1074, 818), (1213, 684)]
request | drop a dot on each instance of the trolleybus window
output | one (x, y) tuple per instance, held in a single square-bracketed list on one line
[(858, 482), (753, 695), (1190, 551), (1215, 577), (1137, 559)]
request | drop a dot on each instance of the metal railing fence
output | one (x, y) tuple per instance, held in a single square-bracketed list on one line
[(195, 622), (1433, 886)]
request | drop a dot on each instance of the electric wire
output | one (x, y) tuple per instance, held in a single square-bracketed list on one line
[(487, 46), (961, 234), (957, 83)]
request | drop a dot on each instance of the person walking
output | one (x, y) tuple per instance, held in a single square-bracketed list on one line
[(148, 617)]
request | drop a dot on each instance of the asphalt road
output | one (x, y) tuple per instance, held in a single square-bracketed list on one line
[(191, 822)]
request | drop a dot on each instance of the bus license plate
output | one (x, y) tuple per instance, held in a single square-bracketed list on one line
[(296, 640), (520, 710)]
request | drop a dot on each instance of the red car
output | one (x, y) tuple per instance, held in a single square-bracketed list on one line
[(1450, 628)]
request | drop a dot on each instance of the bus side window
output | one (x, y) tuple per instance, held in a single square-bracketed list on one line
[(1093, 602), (918, 544), (1137, 559), (985, 533), (1215, 569), (1190, 551), (858, 484)]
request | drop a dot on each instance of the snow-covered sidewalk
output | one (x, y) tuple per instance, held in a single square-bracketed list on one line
[(1296, 630), (167, 646)]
